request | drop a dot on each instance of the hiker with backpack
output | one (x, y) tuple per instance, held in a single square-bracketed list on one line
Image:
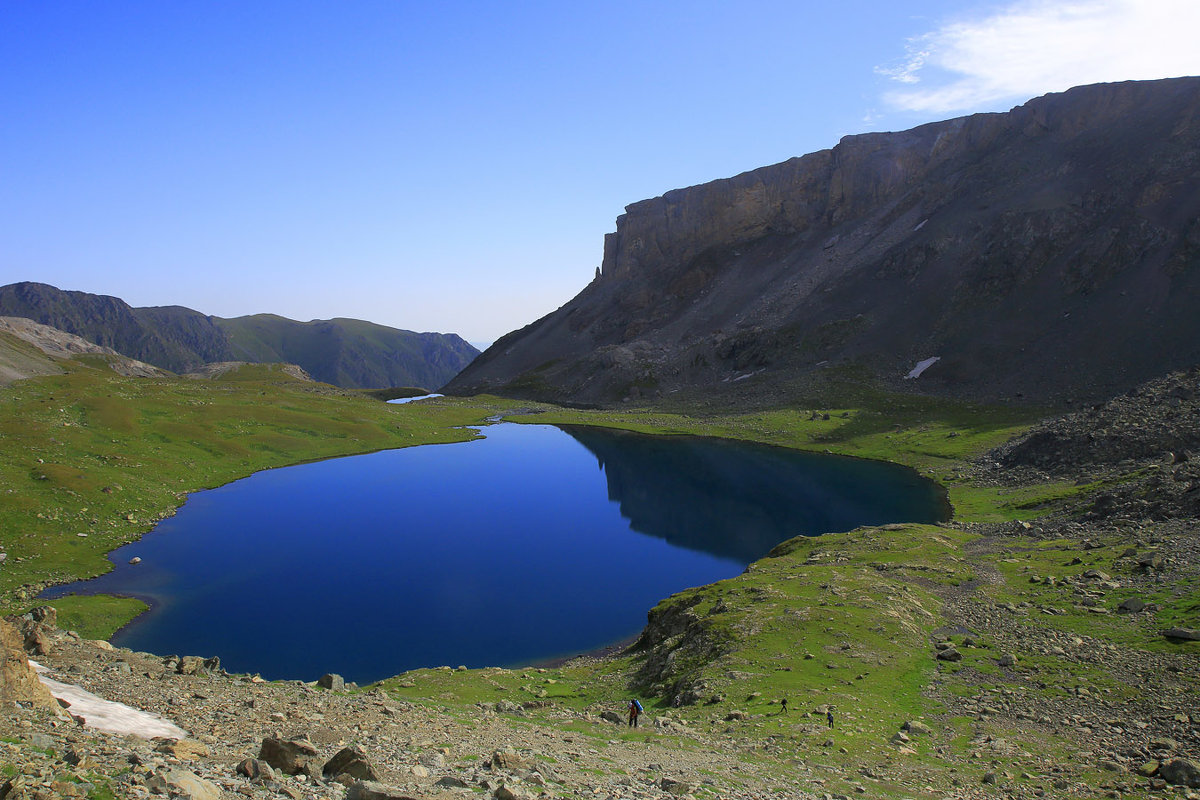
[(635, 708)]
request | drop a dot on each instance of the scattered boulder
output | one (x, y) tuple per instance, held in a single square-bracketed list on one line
[(510, 792), (332, 681), (18, 682), (1007, 660), (37, 641), (371, 790), (917, 727), (1183, 634), (195, 665), (181, 783), (1134, 605), (949, 654), (509, 760), (189, 665), (43, 615), (289, 756), (676, 787), (256, 770), (1180, 772), (509, 707), (349, 762), (183, 749), (1150, 562), (612, 716)]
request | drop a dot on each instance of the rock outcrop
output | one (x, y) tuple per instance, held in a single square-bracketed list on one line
[(54, 345), (1007, 245), (18, 681)]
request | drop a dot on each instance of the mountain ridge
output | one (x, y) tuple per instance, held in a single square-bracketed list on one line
[(1004, 244), (340, 351)]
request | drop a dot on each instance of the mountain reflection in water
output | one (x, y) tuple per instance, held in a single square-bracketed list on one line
[(501, 551), (736, 500)]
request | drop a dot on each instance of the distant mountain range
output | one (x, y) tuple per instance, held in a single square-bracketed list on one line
[(344, 352), (1044, 254)]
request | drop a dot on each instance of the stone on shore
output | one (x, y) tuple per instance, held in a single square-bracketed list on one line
[(332, 682)]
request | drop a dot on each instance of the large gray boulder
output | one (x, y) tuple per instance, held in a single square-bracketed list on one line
[(1180, 772), (349, 763), (289, 756), (332, 681), (1183, 634)]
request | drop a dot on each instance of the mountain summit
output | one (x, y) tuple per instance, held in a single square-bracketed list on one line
[(1050, 252), (345, 352)]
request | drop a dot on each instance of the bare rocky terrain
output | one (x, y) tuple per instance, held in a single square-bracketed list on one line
[(52, 344)]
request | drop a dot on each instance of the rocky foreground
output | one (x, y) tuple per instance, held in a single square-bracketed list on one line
[(1059, 657)]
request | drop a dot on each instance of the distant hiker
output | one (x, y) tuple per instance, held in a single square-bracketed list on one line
[(829, 716), (635, 708), (783, 705)]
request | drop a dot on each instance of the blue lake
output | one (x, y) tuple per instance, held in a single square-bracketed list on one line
[(533, 543)]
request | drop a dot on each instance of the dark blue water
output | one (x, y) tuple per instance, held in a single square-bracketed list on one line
[(534, 543)]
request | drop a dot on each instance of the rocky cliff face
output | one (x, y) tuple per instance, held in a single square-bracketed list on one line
[(1050, 252)]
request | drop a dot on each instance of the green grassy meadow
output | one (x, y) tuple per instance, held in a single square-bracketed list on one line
[(90, 460)]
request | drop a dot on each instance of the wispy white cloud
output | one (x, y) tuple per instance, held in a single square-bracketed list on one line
[(1038, 46)]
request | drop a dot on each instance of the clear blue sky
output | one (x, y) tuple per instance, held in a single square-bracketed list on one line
[(454, 166)]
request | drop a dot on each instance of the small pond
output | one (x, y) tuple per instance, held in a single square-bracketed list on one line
[(533, 543)]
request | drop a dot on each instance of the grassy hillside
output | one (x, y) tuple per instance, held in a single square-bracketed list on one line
[(90, 460), (349, 352)]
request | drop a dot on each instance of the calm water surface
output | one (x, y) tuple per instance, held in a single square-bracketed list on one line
[(533, 543)]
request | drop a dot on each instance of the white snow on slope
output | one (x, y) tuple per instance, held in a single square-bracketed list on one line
[(105, 715), (922, 366)]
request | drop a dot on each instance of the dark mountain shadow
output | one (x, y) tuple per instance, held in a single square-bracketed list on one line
[(735, 500)]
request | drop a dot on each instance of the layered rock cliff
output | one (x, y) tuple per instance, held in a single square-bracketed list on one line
[(1046, 253)]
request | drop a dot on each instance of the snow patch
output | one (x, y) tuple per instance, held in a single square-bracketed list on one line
[(106, 715), (922, 366)]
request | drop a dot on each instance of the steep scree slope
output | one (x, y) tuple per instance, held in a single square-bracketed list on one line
[(1050, 252)]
